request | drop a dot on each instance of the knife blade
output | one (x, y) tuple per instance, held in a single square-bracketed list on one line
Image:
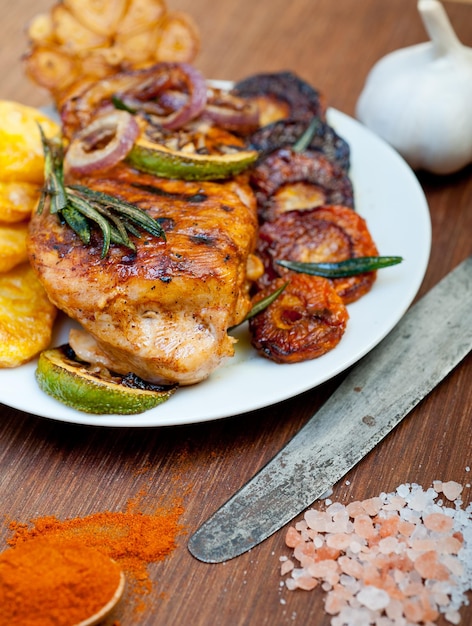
[(428, 342)]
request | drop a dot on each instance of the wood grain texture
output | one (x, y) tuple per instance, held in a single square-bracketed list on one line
[(51, 468)]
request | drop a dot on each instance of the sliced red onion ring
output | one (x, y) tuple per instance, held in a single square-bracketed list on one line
[(102, 144), (239, 120), (174, 96), (194, 105), (141, 90)]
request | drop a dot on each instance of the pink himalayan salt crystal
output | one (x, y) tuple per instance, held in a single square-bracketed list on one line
[(451, 490), (372, 506), (416, 612), (406, 528), (453, 564), (396, 503), (418, 590), (317, 520), (394, 610), (335, 602), (449, 545), (292, 537), (388, 545), (327, 569), (373, 598), (428, 566), (423, 545), (335, 508), (387, 526), (441, 598), (355, 508), (439, 522), (351, 566), (364, 526), (304, 553), (306, 582), (340, 541), (286, 567)]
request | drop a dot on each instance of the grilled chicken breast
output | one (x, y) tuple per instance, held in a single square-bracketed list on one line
[(163, 311)]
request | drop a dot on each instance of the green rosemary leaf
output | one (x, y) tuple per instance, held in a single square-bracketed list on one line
[(349, 267), (122, 106), (261, 305), (265, 302), (132, 212), (53, 173), (304, 140), (77, 222), (131, 229), (58, 194), (92, 214), (42, 201), (118, 227), (115, 237)]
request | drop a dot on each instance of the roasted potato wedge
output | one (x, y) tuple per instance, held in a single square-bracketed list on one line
[(21, 151), (12, 245), (17, 201), (26, 316)]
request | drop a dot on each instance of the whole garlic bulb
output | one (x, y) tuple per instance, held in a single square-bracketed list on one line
[(419, 99)]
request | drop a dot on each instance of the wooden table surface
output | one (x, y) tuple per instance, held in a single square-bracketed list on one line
[(54, 468)]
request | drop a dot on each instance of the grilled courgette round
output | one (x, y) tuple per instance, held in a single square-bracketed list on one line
[(95, 390)]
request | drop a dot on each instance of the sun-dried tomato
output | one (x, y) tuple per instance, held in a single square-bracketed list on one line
[(282, 95), (314, 180), (285, 133), (307, 320), (321, 234)]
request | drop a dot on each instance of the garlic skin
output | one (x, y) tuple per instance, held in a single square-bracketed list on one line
[(419, 99)]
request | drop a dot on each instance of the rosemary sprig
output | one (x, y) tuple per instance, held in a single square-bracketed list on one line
[(303, 142), (81, 207), (261, 305), (342, 269)]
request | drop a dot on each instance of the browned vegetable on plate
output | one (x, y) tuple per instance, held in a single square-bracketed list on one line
[(307, 320), (287, 132), (282, 95), (321, 234), (288, 180)]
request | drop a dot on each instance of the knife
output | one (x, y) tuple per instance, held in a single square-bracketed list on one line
[(429, 341)]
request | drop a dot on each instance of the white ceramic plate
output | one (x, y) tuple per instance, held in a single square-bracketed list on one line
[(389, 196)]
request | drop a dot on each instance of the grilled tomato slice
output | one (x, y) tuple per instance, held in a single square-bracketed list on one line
[(287, 180), (307, 320), (321, 234)]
